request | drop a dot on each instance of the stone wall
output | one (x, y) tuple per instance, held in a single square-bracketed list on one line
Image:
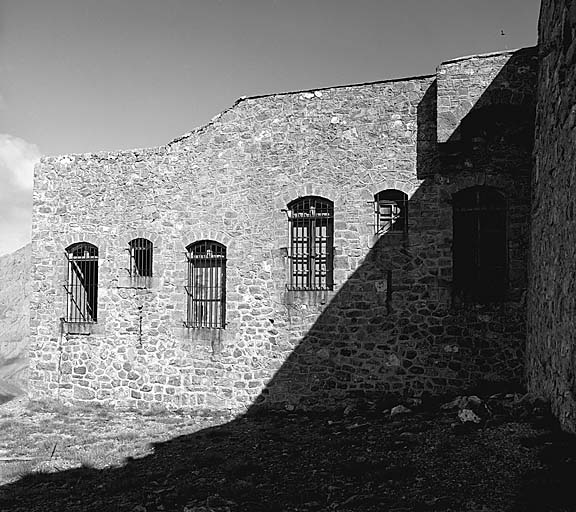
[(551, 362), (472, 83), (391, 324)]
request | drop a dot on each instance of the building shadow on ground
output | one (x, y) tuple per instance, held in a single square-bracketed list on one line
[(317, 462), (550, 487)]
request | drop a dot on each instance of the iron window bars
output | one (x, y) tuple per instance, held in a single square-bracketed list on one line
[(141, 257), (82, 283), (311, 221), (206, 288), (391, 212), (480, 254)]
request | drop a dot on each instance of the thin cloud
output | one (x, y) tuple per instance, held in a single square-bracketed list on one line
[(17, 160)]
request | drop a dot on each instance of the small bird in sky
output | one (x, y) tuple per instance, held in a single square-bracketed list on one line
[(503, 34)]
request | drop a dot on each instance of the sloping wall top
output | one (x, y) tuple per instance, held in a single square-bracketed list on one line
[(462, 84)]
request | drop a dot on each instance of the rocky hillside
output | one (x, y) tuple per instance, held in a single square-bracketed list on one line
[(14, 321)]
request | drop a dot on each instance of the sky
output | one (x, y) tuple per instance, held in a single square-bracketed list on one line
[(81, 76)]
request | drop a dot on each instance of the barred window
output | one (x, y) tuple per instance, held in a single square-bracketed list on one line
[(311, 221), (82, 284), (391, 212), (480, 244), (141, 257), (206, 289)]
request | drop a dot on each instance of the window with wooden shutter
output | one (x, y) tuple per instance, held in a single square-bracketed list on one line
[(480, 254)]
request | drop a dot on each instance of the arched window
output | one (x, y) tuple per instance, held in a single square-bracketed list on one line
[(141, 257), (311, 221), (480, 244), (206, 288), (391, 212), (82, 283)]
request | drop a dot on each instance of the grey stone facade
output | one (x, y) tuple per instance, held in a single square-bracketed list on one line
[(551, 362), (392, 325)]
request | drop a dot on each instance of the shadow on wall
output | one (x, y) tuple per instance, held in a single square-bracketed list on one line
[(395, 328), (401, 325)]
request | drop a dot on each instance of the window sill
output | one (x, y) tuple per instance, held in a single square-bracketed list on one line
[(207, 337), (391, 238), (484, 302), (308, 297), (138, 283), (80, 328)]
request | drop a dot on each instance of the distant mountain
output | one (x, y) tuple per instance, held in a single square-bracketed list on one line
[(14, 321)]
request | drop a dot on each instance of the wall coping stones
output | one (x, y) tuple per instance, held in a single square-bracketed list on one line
[(486, 55)]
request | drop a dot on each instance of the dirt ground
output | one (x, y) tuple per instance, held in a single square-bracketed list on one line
[(54, 458)]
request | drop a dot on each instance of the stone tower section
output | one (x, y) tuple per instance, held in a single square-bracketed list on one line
[(301, 249), (551, 362)]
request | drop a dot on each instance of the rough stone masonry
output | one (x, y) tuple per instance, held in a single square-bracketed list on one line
[(551, 362), (394, 322)]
